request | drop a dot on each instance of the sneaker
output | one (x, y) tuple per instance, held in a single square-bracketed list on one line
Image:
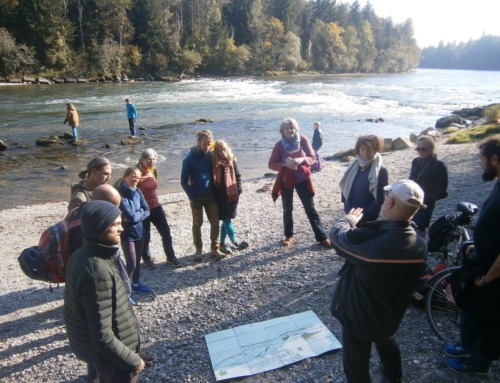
[(198, 255), (217, 254), (455, 351), (225, 249), (240, 246), (141, 289), (149, 263), (326, 243), (288, 241), (174, 261), (464, 367)]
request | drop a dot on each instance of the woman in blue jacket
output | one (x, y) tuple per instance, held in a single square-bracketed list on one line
[(134, 210)]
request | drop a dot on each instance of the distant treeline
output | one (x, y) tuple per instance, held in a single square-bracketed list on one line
[(481, 54), (223, 37)]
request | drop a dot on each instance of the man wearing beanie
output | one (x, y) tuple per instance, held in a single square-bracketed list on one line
[(101, 326), (384, 261)]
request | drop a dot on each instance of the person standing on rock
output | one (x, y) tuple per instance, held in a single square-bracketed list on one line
[(432, 176), (98, 172), (131, 115), (384, 260), (101, 326), (197, 182), (72, 119), (480, 321), (362, 184), (292, 157)]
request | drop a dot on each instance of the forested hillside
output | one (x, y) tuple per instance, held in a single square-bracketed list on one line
[(158, 38), (481, 54)]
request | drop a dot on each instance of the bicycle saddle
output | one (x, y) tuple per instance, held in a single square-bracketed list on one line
[(467, 208)]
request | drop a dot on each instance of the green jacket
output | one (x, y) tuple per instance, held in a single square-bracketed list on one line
[(100, 323)]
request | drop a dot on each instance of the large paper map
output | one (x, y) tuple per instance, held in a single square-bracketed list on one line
[(263, 346)]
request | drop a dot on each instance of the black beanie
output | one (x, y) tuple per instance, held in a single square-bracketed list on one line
[(96, 217)]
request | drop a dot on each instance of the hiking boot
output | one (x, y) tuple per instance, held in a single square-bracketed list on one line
[(326, 243), (225, 249), (464, 367), (149, 263), (288, 241), (240, 246), (198, 255), (217, 254), (455, 351), (174, 261), (141, 289)]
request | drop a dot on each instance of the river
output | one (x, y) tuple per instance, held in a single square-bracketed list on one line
[(246, 112)]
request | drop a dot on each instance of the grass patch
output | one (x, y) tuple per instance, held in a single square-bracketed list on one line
[(473, 134)]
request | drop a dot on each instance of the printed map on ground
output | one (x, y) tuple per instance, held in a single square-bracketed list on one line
[(263, 346)]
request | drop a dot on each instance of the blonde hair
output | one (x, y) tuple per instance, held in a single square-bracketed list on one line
[(289, 122), (219, 147), (428, 141)]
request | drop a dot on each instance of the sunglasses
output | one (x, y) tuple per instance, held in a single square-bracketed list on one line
[(421, 149)]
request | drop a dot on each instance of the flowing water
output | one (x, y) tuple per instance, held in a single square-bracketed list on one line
[(246, 112)]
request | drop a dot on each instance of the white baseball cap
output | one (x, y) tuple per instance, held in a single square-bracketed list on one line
[(408, 192)]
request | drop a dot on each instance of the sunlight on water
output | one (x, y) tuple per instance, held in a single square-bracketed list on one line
[(246, 112)]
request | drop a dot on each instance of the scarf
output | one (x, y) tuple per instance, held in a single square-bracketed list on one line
[(291, 146), (229, 178), (350, 173)]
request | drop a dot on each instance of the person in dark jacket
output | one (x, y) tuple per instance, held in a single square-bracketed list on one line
[(317, 143), (227, 190), (363, 182), (384, 261), (432, 176), (480, 322), (197, 182), (134, 211), (101, 326)]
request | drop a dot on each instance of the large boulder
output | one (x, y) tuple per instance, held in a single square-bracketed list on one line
[(401, 143), (130, 140), (49, 141), (3, 146), (445, 122), (387, 144)]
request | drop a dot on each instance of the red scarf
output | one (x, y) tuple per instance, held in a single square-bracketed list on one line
[(229, 178)]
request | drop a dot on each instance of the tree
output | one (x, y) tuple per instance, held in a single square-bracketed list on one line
[(189, 61), (14, 58)]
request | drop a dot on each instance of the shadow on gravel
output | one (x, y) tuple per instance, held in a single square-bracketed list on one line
[(18, 300)]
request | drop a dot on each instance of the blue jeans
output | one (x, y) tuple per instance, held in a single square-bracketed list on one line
[(132, 251), (306, 197), (356, 358), (158, 218), (75, 133), (131, 125), (227, 229)]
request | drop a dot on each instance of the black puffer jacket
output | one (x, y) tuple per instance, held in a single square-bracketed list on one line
[(100, 323), (384, 261)]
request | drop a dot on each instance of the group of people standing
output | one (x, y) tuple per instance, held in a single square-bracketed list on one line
[(381, 238)]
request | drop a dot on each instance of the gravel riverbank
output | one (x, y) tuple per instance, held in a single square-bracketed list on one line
[(262, 282)]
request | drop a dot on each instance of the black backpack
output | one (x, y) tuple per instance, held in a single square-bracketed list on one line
[(439, 232)]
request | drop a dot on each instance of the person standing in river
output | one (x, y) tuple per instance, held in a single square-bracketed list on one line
[(73, 120), (131, 115)]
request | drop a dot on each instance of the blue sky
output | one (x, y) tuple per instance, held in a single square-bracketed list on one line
[(446, 20)]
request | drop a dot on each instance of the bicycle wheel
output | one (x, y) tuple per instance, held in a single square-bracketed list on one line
[(441, 310)]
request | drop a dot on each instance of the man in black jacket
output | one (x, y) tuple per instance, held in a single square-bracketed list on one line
[(384, 261), (101, 326)]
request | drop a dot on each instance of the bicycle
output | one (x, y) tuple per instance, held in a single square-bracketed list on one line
[(450, 242)]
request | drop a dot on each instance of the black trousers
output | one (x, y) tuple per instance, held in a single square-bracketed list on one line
[(356, 358)]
